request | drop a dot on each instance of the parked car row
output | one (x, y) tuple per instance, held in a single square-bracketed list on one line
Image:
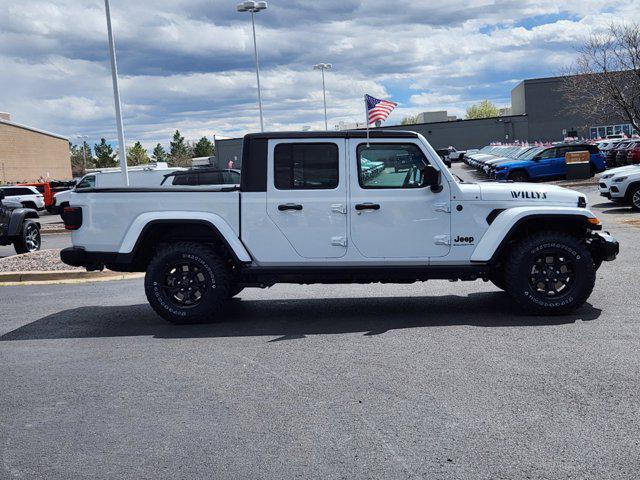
[(621, 152), (525, 163)]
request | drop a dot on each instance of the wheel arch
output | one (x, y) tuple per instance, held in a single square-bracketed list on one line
[(630, 188), (495, 243), (18, 216), (156, 232)]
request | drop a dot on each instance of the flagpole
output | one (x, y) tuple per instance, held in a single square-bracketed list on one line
[(366, 118)]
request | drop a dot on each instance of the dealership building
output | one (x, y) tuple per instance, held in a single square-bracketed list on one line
[(539, 113), (28, 154)]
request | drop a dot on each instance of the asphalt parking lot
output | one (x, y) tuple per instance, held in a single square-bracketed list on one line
[(433, 380)]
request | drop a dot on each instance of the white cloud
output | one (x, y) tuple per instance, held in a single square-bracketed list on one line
[(188, 64)]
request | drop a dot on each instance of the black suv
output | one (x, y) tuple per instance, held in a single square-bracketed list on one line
[(19, 225), (203, 176)]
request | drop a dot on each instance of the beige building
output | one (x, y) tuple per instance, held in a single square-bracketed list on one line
[(28, 154)]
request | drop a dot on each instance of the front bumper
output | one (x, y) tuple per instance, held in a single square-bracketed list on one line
[(603, 247)]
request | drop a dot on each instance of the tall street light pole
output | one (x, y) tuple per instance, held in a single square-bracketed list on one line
[(84, 139), (322, 67), (116, 98), (253, 8)]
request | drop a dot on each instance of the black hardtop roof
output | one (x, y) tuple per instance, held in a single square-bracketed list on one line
[(335, 134)]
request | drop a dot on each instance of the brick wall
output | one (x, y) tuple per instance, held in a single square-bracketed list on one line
[(26, 155)]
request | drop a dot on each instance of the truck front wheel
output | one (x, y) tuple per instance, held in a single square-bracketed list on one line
[(550, 273), (187, 283)]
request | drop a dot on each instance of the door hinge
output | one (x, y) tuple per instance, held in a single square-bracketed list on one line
[(339, 241), (442, 239), (339, 208), (442, 207)]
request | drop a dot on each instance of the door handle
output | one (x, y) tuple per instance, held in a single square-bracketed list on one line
[(367, 206), (289, 206)]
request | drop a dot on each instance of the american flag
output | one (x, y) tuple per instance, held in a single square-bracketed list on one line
[(378, 109)]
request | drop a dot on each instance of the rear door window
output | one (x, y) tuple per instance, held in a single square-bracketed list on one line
[(306, 166)]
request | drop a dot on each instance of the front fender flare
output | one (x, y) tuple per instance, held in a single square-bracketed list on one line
[(508, 220), (217, 222), (16, 220)]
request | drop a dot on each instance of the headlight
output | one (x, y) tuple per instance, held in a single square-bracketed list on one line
[(620, 179)]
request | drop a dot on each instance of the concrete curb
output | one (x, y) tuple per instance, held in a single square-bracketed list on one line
[(54, 231), (60, 276)]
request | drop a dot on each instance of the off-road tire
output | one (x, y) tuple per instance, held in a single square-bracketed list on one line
[(215, 288), (634, 197), (519, 176), (521, 262), (29, 239)]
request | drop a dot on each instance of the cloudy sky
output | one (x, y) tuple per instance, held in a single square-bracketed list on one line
[(188, 64)]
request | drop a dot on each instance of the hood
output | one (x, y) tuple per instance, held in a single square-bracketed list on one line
[(529, 193), (615, 171), (9, 204)]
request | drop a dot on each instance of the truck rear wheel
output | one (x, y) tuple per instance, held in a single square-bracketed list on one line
[(187, 283), (550, 273)]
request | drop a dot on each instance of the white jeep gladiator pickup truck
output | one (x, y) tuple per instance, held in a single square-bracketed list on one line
[(334, 207)]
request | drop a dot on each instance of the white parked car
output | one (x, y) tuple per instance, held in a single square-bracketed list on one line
[(29, 197), (306, 211), (151, 175), (622, 185)]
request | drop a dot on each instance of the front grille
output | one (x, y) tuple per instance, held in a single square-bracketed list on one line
[(603, 185)]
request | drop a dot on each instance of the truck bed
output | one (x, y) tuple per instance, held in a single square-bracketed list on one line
[(112, 218)]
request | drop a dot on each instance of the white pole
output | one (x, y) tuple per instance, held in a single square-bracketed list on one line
[(366, 118), (255, 52), (324, 97), (122, 151)]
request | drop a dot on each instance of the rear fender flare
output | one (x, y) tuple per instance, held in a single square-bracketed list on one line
[(218, 223)]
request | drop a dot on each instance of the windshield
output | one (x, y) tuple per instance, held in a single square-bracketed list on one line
[(531, 153), (87, 182)]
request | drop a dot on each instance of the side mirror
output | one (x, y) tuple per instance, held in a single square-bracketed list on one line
[(431, 177)]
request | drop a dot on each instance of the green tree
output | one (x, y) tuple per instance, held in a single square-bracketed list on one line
[(137, 155), (105, 157), (159, 154), (484, 109), (78, 163), (180, 152), (409, 120), (204, 148)]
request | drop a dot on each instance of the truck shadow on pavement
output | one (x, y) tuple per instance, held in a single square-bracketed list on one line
[(289, 319)]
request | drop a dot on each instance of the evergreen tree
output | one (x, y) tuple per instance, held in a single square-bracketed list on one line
[(159, 154), (204, 148), (137, 155), (180, 151), (104, 155)]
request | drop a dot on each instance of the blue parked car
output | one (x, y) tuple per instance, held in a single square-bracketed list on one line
[(546, 162)]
